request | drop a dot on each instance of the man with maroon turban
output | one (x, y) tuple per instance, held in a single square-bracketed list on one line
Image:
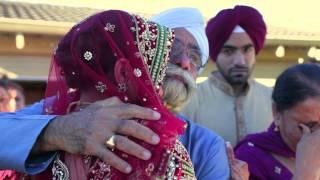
[(230, 102)]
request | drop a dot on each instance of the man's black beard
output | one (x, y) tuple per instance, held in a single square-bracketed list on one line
[(235, 81)]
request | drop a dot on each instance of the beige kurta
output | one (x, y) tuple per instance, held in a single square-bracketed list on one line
[(216, 107)]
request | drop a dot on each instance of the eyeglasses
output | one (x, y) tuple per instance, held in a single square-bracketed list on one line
[(194, 54)]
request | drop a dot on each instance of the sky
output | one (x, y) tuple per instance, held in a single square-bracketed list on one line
[(294, 14)]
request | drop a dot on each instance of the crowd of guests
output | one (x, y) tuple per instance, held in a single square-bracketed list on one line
[(121, 103)]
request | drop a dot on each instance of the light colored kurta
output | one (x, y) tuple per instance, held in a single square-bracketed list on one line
[(216, 107)]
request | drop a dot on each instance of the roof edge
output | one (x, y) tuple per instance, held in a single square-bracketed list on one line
[(296, 42), (34, 26)]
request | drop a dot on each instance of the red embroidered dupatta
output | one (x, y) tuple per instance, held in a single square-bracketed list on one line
[(84, 61)]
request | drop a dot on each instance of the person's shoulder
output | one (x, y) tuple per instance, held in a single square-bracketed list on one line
[(258, 160), (201, 89), (247, 148), (202, 133), (32, 109), (205, 85), (261, 89), (252, 154), (204, 89), (261, 86), (207, 151)]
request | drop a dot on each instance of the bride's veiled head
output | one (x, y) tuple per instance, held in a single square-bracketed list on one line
[(110, 54)]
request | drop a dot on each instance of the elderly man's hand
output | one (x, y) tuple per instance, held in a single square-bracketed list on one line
[(86, 132)]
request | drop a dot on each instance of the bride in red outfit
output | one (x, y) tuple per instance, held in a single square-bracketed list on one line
[(116, 54)]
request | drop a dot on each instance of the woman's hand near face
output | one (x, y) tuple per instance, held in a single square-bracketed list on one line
[(308, 155), (239, 169)]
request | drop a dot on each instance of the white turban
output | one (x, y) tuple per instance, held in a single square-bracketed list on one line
[(192, 20)]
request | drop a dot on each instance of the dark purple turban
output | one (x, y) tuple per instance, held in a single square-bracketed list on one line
[(220, 27)]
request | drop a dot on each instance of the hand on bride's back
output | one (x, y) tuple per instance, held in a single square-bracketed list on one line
[(86, 132)]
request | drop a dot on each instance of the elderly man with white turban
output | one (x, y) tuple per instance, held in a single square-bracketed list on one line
[(188, 57), (187, 21), (190, 51)]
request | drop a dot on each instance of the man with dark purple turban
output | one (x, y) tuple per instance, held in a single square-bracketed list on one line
[(230, 102)]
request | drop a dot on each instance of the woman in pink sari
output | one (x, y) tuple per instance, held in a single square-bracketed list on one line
[(114, 54)]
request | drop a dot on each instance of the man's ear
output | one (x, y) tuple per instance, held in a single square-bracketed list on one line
[(276, 114), (120, 70)]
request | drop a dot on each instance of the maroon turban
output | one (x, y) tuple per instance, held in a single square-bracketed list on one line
[(220, 27)]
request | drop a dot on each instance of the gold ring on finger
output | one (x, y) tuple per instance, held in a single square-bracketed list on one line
[(110, 143)]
